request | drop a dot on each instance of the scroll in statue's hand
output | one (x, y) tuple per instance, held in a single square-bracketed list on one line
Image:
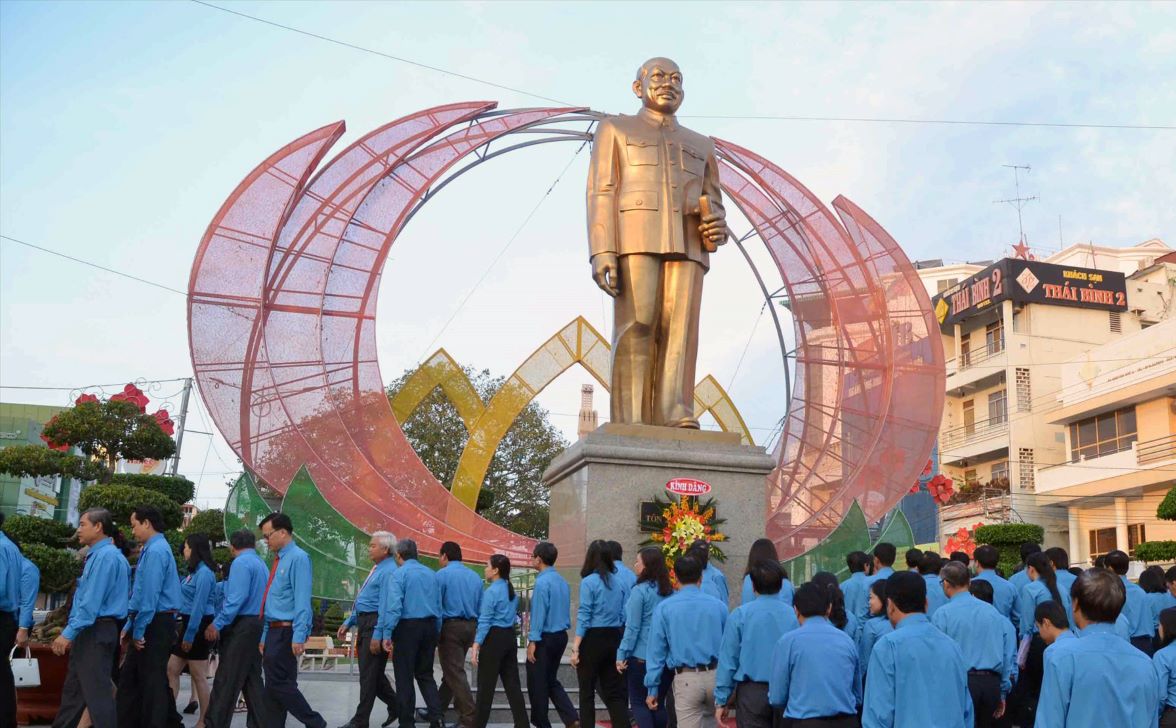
[(604, 272)]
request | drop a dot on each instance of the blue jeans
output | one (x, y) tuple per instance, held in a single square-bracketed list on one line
[(645, 717)]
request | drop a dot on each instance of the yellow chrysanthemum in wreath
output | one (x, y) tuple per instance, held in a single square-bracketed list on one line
[(681, 523)]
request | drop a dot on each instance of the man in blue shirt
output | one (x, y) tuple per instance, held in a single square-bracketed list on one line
[(815, 675), (913, 557), (686, 636), (1097, 679), (460, 590), (144, 697), (237, 624), (884, 555), (91, 634), (856, 588), (1136, 608), (714, 581), (551, 617), (745, 657), (373, 683), (980, 632), (285, 609), (624, 573), (895, 697), (1019, 580), (409, 622), (1004, 599), (10, 564), (929, 567)]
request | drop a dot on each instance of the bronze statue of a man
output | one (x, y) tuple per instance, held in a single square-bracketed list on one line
[(655, 213)]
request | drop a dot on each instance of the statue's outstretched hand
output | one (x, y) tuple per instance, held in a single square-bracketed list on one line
[(604, 272), (714, 231)]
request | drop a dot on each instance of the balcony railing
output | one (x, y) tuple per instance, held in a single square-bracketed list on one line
[(982, 430), (1153, 451), (991, 350)]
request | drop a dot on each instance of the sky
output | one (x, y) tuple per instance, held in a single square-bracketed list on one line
[(123, 127)]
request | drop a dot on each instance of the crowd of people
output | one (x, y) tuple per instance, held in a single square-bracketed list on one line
[(945, 643)]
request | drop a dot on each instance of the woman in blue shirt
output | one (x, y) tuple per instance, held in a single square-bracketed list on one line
[(839, 617), (877, 626), (598, 635), (197, 592), (495, 651), (653, 586), (763, 550), (1164, 662)]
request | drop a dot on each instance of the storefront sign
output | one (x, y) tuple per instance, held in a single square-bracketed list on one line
[(688, 487), (1031, 281)]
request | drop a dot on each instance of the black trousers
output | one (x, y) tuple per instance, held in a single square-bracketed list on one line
[(7, 681), (543, 683), (1145, 643), (1023, 699), (498, 659), (752, 709), (87, 681), (281, 681), (985, 689), (373, 683), (413, 643), (839, 721), (239, 670), (144, 698), (598, 672), (1168, 717)]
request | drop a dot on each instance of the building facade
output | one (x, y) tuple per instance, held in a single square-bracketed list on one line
[(1010, 330), (48, 497)]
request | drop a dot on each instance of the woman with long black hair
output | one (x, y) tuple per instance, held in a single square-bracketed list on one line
[(653, 586), (762, 549), (877, 626), (1165, 664), (1042, 587), (198, 592), (839, 617), (495, 651), (598, 635)]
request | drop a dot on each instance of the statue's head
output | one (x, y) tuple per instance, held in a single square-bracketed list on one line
[(659, 85)]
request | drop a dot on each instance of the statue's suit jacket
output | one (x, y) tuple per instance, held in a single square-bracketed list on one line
[(645, 177)]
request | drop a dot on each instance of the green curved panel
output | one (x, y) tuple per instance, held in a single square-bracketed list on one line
[(852, 534), (244, 508), (338, 549), (898, 531)]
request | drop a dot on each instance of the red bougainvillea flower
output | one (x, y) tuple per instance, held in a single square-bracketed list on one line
[(54, 446), (86, 398), (134, 395), (941, 488), (962, 541), (927, 467), (165, 422), (915, 488)]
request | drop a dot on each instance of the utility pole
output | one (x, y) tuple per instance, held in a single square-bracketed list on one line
[(183, 421)]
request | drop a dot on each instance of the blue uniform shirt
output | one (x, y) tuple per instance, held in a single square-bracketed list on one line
[(1004, 597), (687, 631), (551, 604), (1034, 593), (498, 609), (243, 589), (460, 589), (638, 618), (935, 596), (1095, 681), (1157, 603), (30, 585), (1018, 581), (289, 593), (815, 672), (10, 560), (626, 575), (156, 587), (218, 596), (895, 700), (853, 626), (856, 590), (601, 605), (883, 573), (749, 637), (1164, 663), (368, 599), (197, 591), (102, 589), (715, 583), (979, 631), (411, 594), (747, 594), (1136, 608), (872, 630)]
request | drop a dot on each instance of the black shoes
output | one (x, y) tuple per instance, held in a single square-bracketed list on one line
[(192, 706), (390, 721)]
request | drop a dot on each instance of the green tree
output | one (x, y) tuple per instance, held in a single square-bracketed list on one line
[(513, 494), (1007, 538), (211, 523), (120, 500), (110, 430)]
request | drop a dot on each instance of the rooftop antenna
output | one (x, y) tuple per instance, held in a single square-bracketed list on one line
[(1019, 203)]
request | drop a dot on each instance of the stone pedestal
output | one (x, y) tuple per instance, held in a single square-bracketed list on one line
[(597, 486)]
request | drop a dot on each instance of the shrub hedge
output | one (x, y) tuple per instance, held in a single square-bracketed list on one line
[(1007, 538), (1156, 551), (120, 500), (175, 487)]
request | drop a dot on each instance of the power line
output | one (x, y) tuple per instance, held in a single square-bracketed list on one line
[(94, 265), (512, 89)]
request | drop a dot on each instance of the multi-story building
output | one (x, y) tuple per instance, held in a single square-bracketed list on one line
[(46, 497), (1009, 329)]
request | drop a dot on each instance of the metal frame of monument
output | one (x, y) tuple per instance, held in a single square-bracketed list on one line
[(282, 329)]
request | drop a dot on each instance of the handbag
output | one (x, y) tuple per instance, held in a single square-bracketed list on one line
[(25, 670)]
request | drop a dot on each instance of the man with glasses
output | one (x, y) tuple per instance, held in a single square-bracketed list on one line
[(285, 608)]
